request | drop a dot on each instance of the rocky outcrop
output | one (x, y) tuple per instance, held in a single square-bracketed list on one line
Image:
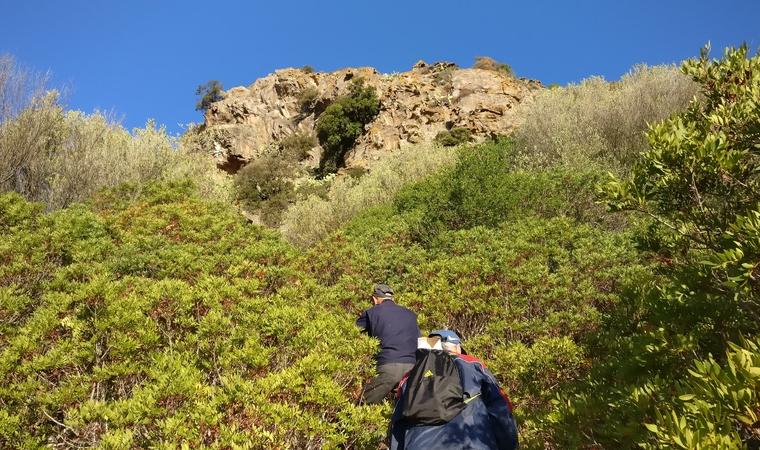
[(415, 106)]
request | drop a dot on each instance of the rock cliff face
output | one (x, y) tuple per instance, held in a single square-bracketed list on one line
[(415, 106)]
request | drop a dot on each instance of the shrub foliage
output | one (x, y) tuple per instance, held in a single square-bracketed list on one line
[(597, 122), (68, 156), (341, 124), (315, 216), (455, 136), (167, 320), (665, 366)]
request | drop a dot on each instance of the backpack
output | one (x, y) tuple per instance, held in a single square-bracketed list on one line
[(434, 393)]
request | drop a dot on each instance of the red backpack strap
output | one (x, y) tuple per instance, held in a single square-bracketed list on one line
[(400, 385)]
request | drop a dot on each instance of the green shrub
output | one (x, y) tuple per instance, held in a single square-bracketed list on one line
[(307, 69), (343, 122), (315, 216), (60, 157), (265, 185), (697, 187), (455, 136), (210, 92), (74, 155), (698, 183), (718, 406), (268, 185), (532, 288), (165, 320), (485, 189)]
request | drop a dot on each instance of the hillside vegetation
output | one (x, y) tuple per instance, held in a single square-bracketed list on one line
[(618, 311), (60, 157)]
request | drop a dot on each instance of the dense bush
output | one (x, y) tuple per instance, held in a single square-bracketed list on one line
[(599, 123), (718, 405), (526, 295), (698, 184), (267, 185), (343, 122), (455, 136), (59, 157), (73, 155), (315, 216), (166, 321), (296, 147), (307, 99), (25, 144), (484, 188)]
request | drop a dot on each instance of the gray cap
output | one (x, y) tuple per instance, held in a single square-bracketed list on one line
[(382, 291)]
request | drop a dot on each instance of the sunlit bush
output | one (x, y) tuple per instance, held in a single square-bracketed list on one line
[(599, 123), (161, 319), (486, 187), (665, 367), (75, 154), (455, 136), (308, 220)]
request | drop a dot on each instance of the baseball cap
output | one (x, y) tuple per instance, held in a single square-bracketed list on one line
[(447, 336), (383, 291)]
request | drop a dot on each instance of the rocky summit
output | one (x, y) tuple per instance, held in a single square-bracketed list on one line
[(414, 107)]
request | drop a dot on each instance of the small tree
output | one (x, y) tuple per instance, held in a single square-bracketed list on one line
[(341, 124), (210, 92), (265, 186)]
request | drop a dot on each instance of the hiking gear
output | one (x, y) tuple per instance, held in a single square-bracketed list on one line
[(434, 392), (486, 422), (388, 376), (447, 336), (382, 291), (397, 329)]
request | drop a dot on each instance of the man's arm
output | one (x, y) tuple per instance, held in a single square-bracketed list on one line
[(363, 322)]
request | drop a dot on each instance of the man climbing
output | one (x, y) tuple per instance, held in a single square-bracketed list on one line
[(449, 400), (397, 329)]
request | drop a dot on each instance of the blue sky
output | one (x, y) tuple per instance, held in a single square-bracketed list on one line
[(143, 59)]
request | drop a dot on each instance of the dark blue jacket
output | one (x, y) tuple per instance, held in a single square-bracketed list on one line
[(485, 424), (397, 329)]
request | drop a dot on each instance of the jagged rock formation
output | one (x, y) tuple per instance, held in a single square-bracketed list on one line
[(415, 106)]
